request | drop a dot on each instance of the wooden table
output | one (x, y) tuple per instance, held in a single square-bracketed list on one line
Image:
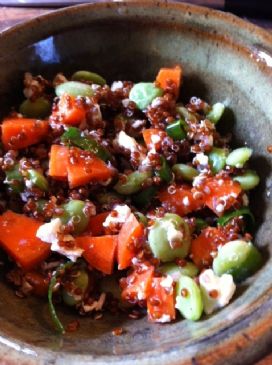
[(12, 16)]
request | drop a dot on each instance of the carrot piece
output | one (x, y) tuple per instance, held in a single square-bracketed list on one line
[(39, 283), (167, 75), (131, 231), (153, 138), (221, 194), (137, 285), (203, 247), (18, 239), (58, 162), (182, 201), (99, 252), (85, 167), (161, 301), (20, 133), (95, 226), (69, 111)]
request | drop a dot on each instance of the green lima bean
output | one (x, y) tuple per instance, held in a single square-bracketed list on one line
[(188, 298), (143, 93), (74, 88)]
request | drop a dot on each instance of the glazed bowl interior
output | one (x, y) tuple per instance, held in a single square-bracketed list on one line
[(224, 59)]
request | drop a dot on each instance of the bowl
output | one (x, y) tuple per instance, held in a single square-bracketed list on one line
[(224, 59)]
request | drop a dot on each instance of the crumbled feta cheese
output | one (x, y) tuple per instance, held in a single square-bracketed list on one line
[(138, 123), (96, 113), (125, 102), (123, 212), (186, 201), (167, 283), (173, 235), (95, 87), (156, 102), (201, 159), (116, 85), (216, 291), (127, 142), (49, 233), (28, 184), (163, 319), (155, 138), (220, 208), (199, 179)]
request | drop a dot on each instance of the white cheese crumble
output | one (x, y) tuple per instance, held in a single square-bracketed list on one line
[(129, 143), (201, 159), (167, 283), (216, 291), (155, 138), (173, 235), (199, 179), (116, 85), (138, 123), (123, 212), (163, 319), (49, 233), (125, 102)]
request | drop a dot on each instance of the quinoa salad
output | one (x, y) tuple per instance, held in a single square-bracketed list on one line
[(122, 198)]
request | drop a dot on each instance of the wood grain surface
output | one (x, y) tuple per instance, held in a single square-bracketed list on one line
[(10, 16)]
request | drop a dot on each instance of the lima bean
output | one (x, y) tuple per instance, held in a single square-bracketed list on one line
[(249, 180), (88, 76), (74, 212), (80, 280), (188, 298), (216, 112), (239, 156), (175, 271), (185, 172), (217, 159), (169, 238), (133, 183), (74, 88), (38, 179), (14, 179), (238, 258), (144, 93), (40, 108)]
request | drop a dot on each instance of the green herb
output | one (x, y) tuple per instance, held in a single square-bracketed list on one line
[(60, 271), (73, 137)]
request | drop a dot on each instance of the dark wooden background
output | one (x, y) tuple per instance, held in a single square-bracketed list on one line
[(10, 16)]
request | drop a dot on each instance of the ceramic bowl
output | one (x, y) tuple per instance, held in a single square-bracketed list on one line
[(224, 59)]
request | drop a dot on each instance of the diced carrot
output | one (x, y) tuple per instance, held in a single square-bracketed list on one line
[(161, 301), (69, 111), (99, 252), (85, 167), (182, 200), (18, 239), (95, 226), (205, 245), (221, 194), (58, 162), (167, 75), (130, 232), (39, 283), (137, 285), (153, 138), (20, 133)]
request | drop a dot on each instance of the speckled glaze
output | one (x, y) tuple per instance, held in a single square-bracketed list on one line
[(224, 59)]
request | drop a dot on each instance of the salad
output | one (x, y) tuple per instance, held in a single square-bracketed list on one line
[(121, 198)]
